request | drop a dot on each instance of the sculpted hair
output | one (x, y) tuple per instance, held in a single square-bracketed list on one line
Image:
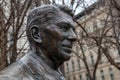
[(66, 9), (44, 15)]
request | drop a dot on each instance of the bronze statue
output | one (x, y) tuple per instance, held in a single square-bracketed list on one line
[(51, 33)]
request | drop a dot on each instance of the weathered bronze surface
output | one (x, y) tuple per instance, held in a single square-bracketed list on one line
[(50, 32)]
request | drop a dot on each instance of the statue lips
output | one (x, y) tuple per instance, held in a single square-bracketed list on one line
[(67, 48)]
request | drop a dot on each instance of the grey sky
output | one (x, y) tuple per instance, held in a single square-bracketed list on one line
[(81, 7)]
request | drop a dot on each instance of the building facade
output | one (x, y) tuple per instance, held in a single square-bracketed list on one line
[(93, 21)]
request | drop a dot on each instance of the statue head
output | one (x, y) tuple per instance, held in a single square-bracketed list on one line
[(51, 29)]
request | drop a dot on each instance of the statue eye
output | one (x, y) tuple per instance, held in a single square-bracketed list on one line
[(63, 27)]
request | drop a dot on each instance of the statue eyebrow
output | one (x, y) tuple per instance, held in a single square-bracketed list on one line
[(70, 25), (67, 24)]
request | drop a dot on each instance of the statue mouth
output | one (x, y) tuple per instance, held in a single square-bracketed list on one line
[(67, 48)]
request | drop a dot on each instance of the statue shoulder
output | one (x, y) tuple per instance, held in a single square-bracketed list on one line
[(15, 72), (3, 77)]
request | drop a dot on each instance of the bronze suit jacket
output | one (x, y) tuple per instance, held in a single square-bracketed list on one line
[(30, 67)]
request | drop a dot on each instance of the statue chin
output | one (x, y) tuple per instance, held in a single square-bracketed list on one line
[(65, 53)]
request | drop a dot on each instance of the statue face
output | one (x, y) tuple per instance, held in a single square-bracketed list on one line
[(58, 37)]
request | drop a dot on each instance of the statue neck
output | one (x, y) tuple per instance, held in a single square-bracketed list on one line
[(53, 64)]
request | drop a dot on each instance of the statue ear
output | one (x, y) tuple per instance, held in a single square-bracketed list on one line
[(35, 34)]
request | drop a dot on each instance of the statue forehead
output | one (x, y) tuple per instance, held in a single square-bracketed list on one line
[(64, 17)]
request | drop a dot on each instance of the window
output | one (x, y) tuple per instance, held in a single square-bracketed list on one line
[(87, 77), (100, 61), (111, 74), (92, 59), (94, 26), (68, 79), (84, 47), (102, 75), (80, 77), (67, 67), (89, 29), (74, 78), (79, 64), (73, 65), (102, 23)]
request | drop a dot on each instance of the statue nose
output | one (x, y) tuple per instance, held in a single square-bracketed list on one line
[(72, 36)]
